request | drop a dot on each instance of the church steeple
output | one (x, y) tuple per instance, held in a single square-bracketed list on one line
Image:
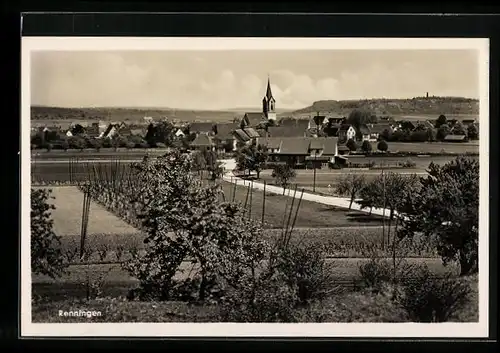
[(269, 94), (268, 102)]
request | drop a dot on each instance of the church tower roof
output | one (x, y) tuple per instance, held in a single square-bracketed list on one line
[(269, 94)]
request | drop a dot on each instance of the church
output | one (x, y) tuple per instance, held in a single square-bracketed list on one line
[(253, 119)]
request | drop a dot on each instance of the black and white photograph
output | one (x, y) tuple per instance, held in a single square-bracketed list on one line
[(232, 186)]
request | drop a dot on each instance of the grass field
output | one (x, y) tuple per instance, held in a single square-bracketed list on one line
[(69, 207), (432, 147)]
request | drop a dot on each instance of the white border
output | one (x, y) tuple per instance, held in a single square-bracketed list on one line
[(452, 330)]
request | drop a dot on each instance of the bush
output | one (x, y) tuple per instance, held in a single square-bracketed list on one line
[(382, 146), (408, 164), (376, 273), (429, 299), (305, 268)]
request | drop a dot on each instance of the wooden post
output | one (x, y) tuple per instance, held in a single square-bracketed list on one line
[(251, 193)]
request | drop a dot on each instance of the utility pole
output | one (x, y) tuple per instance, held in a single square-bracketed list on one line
[(314, 183)]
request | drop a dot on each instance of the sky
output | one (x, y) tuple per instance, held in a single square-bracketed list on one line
[(219, 80)]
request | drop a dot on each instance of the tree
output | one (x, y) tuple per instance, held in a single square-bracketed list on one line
[(96, 144), (382, 146), (431, 134), (366, 146), (441, 121), (283, 174), (443, 131), (459, 129), (360, 117), (419, 136), (391, 191), (185, 220), (251, 158), (351, 144), (65, 144), (351, 185), (446, 210), (46, 256), (77, 142), (385, 135), (472, 132), (214, 167)]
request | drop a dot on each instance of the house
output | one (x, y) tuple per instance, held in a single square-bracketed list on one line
[(179, 133), (379, 129), (68, 133), (408, 125), (312, 122), (332, 129), (301, 150), (148, 120), (423, 125), (386, 120), (110, 131), (336, 121), (343, 150), (203, 142), (137, 132), (455, 138), (286, 131), (346, 132), (365, 133), (252, 119), (202, 128)]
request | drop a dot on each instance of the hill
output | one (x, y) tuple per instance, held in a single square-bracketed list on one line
[(41, 113), (433, 106)]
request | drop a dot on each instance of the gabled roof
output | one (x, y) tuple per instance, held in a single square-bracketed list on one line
[(251, 132), (253, 118), (202, 140), (271, 142), (286, 131), (379, 128), (295, 145), (322, 118), (225, 130), (468, 121), (201, 127), (241, 135), (108, 130)]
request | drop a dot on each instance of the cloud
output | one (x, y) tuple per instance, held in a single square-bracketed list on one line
[(213, 80)]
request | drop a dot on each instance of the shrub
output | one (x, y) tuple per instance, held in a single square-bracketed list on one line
[(376, 273), (408, 164), (429, 299), (382, 146), (268, 299), (305, 268)]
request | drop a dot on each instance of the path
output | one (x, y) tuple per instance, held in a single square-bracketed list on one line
[(230, 165)]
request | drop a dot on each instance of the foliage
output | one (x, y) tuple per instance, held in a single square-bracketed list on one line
[(472, 132), (408, 163), (186, 220), (283, 174), (429, 299), (351, 144), (443, 131), (382, 146), (419, 136), (77, 130), (77, 142), (161, 132), (251, 158), (305, 268), (351, 185), (360, 117), (447, 208), (46, 257), (441, 120), (296, 276), (459, 129), (366, 146), (96, 143)]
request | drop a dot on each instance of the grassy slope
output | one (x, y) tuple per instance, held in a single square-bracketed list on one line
[(431, 107), (397, 107)]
